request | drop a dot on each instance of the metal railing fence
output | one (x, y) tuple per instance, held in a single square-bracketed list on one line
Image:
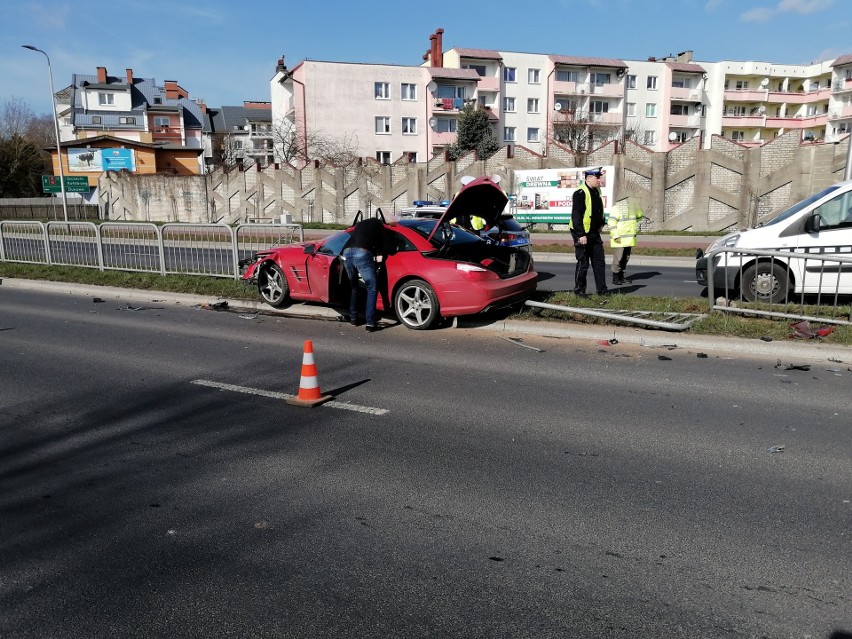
[(177, 248), (823, 279)]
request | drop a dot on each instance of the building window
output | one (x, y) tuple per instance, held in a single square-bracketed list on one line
[(509, 134), (599, 106), (631, 81), (600, 78), (106, 99), (96, 119), (532, 105), (532, 134), (738, 136), (446, 125), (509, 74), (408, 91), (383, 124), (449, 91), (650, 138), (161, 120), (650, 110), (382, 91), (679, 83), (679, 109), (567, 76), (479, 68), (238, 145), (652, 82), (631, 109), (741, 85), (534, 76), (509, 105), (384, 157), (127, 120), (679, 137), (409, 126)]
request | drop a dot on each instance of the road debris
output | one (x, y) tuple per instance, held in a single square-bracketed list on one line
[(518, 341), (248, 317), (97, 300), (803, 330), (664, 358), (701, 355), (128, 307), (776, 449)]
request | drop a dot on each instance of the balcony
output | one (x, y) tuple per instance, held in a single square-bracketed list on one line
[(610, 90), (441, 139), (571, 88), (686, 94), (746, 95), (743, 121), (843, 86), (799, 97), (798, 122), (841, 113), (605, 119), (685, 121), (488, 84)]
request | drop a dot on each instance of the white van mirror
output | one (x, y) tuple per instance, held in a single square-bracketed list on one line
[(813, 223)]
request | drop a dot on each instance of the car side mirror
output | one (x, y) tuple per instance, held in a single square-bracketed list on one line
[(813, 223), (310, 249)]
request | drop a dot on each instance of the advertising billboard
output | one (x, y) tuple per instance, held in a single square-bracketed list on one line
[(544, 196), (93, 160)]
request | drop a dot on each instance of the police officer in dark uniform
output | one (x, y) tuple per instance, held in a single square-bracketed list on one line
[(587, 221)]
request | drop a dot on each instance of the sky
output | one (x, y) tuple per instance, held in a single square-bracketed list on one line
[(224, 52)]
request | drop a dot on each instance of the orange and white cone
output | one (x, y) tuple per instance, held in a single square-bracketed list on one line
[(309, 390)]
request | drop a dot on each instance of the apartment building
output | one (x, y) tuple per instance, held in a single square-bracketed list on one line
[(536, 100), (115, 123), (241, 135)]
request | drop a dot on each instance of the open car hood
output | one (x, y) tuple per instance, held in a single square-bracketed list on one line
[(482, 197)]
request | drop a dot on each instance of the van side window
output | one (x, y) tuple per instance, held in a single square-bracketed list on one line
[(836, 213)]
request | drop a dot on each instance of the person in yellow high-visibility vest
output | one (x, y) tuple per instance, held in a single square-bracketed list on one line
[(623, 227), (470, 222)]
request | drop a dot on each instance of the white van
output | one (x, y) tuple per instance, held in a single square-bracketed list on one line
[(818, 225)]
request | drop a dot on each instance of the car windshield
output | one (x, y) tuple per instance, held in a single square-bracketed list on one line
[(799, 206), (424, 226)]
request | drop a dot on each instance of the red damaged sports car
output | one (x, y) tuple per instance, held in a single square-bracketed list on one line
[(433, 270)]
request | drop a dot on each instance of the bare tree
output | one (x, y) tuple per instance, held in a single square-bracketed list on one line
[(298, 148), (226, 150), (15, 118)]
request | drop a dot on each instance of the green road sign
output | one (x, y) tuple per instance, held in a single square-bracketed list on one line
[(73, 184)]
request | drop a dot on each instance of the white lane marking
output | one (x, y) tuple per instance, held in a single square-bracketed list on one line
[(285, 396)]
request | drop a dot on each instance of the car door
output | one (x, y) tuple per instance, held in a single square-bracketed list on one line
[(322, 268), (834, 237)]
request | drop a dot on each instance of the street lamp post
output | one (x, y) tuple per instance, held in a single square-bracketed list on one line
[(55, 130)]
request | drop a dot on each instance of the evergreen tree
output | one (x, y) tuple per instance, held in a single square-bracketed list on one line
[(474, 134), (21, 167)]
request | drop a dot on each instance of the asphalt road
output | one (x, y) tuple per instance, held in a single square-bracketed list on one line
[(154, 482)]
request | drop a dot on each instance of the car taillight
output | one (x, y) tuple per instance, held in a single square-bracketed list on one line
[(473, 271)]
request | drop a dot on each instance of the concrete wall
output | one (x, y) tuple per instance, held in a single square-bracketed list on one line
[(687, 188)]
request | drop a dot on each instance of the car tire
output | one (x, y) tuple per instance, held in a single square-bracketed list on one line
[(272, 285), (416, 305), (765, 282)]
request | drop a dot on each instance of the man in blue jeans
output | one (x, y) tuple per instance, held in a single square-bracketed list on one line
[(365, 243)]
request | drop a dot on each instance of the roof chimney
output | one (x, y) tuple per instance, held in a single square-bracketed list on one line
[(439, 47), (433, 50), (102, 75), (129, 76)]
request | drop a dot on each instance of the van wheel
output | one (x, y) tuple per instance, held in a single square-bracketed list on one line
[(416, 305), (764, 282)]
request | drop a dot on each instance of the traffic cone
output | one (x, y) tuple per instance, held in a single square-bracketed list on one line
[(309, 391)]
